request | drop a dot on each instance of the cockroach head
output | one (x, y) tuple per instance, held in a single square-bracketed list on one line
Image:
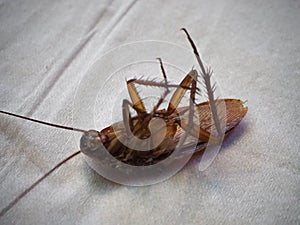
[(90, 142)]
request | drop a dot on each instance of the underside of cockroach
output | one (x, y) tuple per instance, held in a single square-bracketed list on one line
[(111, 139), (151, 137), (132, 141)]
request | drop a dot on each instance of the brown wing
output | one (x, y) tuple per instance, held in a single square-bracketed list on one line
[(235, 112)]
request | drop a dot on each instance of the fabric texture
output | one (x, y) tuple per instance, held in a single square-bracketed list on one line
[(48, 51)]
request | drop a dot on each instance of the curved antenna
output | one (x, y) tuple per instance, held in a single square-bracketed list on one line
[(24, 193), (43, 122)]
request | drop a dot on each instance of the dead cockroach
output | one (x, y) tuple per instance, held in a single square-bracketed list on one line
[(133, 142)]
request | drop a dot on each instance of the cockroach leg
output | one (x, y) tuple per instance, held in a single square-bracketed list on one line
[(166, 92), (173, 126), (127, 119), (188, 125), (206, 74), (136, 100), (180, 91)]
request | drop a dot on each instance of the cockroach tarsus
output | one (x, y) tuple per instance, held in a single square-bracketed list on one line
[(179, 122)]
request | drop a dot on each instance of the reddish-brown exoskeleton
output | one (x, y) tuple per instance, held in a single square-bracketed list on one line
[(116, 138), (119, 139)]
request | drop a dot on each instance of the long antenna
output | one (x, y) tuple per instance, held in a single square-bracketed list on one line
[(42, 122), (24, 193)]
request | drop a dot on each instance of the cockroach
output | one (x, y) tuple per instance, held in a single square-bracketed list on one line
[(121, 140)]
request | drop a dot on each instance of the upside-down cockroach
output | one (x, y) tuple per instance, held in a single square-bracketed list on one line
[(133, 142)]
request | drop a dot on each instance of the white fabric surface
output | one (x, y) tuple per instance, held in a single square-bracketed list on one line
[(253, 47)]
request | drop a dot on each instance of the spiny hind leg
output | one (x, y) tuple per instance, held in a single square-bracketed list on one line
[(206, 74)]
